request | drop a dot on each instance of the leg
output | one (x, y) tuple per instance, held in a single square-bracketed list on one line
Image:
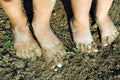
[(106, 26), (80, 25), (24, 44), (52, 46)]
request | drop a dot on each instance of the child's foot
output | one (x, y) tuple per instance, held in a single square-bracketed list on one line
[(52, 47), (24, 44), (108, 31), (83, 38)]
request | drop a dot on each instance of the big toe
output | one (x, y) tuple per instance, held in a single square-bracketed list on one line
[(54, 57), (55, 61), (37, 50)]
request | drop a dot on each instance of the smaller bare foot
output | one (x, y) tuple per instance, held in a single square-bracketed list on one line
[(24, 44), (108, 31), (52, 47), (83, 38)]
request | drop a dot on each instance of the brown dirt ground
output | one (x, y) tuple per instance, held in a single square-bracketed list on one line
[(104, 65)]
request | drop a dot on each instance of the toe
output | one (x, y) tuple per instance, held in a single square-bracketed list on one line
[(88, 48), (55, 61), (25, 54), (51, 64), (53, 57), (18, 53), (37, 50), (48, 56), (58, 60), (82, 48), (105, 41), (94, 47), (21, 54), (113, 37), (31, 55)]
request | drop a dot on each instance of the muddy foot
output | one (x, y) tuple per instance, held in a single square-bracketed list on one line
[(108, 31), (24, 44), (83, 39), (52, 47)]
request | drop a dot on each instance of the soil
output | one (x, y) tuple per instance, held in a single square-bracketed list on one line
[(104, 65)]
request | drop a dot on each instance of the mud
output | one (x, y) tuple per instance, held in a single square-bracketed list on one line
[(104, 65)]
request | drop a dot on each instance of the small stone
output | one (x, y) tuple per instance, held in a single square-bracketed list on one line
[(59, 65), (56, 69), (54, 14)]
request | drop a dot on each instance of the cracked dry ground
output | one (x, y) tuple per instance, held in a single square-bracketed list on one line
[(104, 65)]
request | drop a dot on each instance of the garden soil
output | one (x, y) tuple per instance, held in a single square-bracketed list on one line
[(104, 65)]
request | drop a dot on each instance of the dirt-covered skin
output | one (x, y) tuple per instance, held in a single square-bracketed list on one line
[(108, 31), (104, 65), (83, 39), (24, 44)]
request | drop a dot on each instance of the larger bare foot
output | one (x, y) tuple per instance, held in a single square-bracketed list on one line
[(52, 47), (24, 44), (108, 31), (83, 38)]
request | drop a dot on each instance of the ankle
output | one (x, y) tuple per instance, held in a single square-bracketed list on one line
[(21, 24), (40, 23), (102, 19), (81, 24)]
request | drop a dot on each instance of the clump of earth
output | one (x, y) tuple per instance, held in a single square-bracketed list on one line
[(104, 65)]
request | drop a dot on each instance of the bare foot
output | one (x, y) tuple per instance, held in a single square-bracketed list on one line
[(52, 47), (24, 44), (108, 31), (83, 38)]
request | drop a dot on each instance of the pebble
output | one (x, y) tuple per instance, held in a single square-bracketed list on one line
[(59, 65), (56, 69)]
